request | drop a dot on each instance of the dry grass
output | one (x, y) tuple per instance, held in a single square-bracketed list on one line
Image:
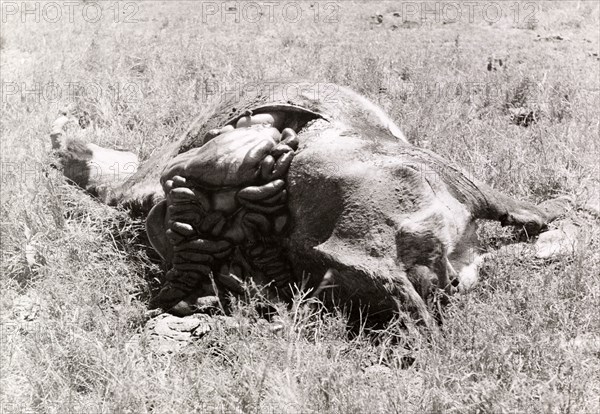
[(75, 278)]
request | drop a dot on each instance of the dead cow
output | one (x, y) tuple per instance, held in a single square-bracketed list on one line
[(279, 189)]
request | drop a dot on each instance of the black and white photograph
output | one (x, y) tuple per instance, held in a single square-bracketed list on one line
[(305, 206)]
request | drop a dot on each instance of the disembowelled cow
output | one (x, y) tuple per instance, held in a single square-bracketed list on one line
[(317, 186)]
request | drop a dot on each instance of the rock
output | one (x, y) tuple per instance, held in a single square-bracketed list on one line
[(168, 333), (556, 243)]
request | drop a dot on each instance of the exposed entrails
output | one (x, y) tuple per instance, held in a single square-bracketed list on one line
[(227, 205)]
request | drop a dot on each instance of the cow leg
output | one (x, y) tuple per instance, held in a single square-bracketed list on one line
[(114, 177), (511, 212), (486, 203), (100, 171)]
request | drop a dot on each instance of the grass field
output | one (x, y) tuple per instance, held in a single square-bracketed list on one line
[(76, 280)]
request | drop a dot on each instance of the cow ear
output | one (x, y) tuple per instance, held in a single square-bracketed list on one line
[(156, 228)]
